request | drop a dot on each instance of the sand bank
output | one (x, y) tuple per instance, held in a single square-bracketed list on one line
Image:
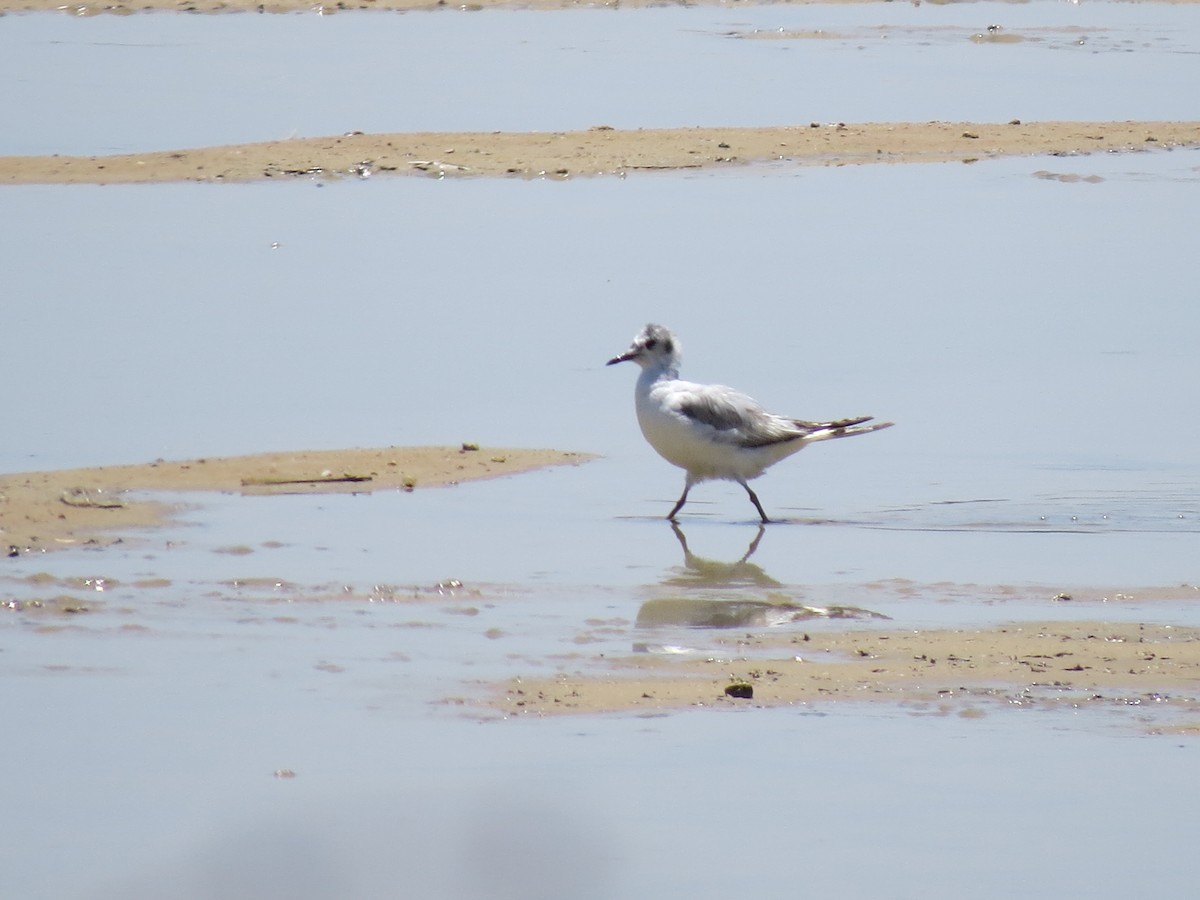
[(962, 670), (600, 151), (50, 510)]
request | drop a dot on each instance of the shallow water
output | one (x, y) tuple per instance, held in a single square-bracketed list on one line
[(85, 85), (585, 809), (1032, 337), (206, 741), (281, 691)]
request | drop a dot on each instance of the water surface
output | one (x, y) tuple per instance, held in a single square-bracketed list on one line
[(281, 691), (110, 84)]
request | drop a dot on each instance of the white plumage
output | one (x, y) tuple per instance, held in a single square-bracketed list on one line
[(712, 431)]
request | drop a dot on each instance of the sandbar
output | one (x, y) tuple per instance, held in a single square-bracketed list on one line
[(600, 151), (42, 511), (953, 670)]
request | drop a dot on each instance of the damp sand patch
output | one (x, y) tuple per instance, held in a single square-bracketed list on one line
[(42, 511), (600, 151), (961, 670)]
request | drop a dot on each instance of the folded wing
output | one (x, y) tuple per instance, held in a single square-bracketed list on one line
[(740, 420), (736, 418)]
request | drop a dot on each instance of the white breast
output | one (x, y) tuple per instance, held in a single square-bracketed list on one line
[(702, 450)]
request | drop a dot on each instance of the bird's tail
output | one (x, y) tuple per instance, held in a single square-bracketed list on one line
[(827, 431)]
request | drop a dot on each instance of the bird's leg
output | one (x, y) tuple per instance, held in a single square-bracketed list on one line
[(688, 559), (754, 500), (687, 486), (753, 544), (681, 537)]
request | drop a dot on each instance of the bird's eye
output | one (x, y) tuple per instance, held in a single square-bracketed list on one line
[(652, 343)]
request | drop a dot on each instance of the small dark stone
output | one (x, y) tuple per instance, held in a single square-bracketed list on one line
[(740, 689)]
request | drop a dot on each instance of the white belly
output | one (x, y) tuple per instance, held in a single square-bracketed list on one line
[(700, 449)]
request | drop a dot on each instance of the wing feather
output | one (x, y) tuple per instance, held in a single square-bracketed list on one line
[(735, 417)]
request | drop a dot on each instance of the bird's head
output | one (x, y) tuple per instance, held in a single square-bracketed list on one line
[(654, 347)]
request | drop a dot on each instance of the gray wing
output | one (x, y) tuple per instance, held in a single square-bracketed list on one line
[(737, 418)]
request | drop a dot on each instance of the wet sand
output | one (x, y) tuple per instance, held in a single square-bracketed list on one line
[(42, 511), (601, 151), (951, 670)]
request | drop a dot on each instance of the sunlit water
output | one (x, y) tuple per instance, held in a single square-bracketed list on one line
[(1032, 337)]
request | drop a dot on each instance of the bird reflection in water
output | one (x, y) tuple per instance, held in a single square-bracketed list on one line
[(702, 610), (701, 572)]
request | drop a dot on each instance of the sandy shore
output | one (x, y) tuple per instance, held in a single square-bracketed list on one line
[(601, 151), (951, 670), (42, 511)]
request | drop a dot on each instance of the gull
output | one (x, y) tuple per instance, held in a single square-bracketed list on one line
[(712, 431)]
